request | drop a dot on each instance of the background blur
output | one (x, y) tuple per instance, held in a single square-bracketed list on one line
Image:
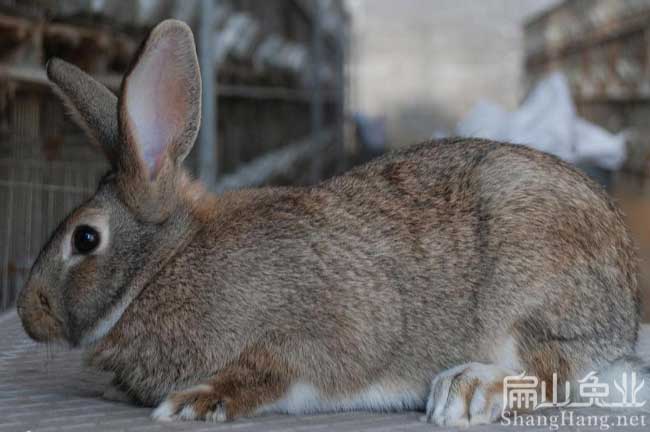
[(299, 90)]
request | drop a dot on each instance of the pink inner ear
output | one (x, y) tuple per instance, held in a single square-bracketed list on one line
[(156, 102)]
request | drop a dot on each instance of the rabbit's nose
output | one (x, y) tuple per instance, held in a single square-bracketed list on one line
[(31, 295), (22, 302), (34, 308), (43, 300)]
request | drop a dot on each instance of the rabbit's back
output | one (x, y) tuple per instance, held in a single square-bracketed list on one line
[(481, 204)]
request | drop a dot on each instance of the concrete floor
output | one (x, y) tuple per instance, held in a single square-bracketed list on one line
[(45, 389)]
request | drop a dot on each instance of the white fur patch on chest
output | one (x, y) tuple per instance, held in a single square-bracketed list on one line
[(106, 324), (303, 398)]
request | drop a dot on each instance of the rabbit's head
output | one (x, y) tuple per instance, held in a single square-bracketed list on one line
[(89, 270)]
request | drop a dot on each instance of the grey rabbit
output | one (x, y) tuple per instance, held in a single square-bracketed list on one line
[(418, 281)]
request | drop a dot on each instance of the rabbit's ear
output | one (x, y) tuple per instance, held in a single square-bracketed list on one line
[(160, 102), (92, 105)]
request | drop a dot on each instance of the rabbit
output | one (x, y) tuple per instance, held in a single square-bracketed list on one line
[(418, 281)]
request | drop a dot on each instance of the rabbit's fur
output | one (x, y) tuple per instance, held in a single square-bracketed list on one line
[(351, 294)]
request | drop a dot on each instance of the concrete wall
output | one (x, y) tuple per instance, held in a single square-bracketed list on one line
[(423, 63)]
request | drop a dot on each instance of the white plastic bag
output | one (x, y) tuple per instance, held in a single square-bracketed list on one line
[(547, 121)]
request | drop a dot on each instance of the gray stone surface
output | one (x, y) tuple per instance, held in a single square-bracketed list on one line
[(45, 388)]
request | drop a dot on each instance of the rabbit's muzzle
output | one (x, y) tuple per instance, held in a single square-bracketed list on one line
[(35, 311)]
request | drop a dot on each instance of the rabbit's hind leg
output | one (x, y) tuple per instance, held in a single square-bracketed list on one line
[(473, 393), (468, 394), (254, 380)]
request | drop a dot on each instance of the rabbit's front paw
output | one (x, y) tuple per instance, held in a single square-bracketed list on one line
[(466, 395), (197, 403), (256, 379)]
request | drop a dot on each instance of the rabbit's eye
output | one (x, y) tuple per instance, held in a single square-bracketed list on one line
[(85, 239)]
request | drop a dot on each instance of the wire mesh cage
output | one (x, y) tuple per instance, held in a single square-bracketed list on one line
[(41, 180)]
